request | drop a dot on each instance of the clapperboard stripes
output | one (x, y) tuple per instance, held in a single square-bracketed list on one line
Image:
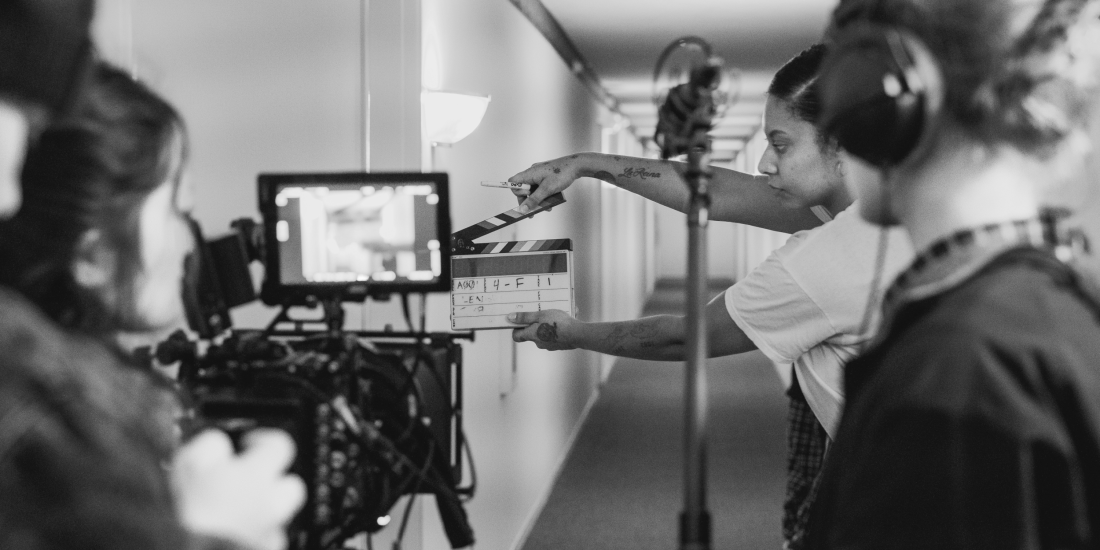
[(520, 246), (491, 280)]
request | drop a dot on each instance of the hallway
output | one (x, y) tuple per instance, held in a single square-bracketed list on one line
[(621, 487)]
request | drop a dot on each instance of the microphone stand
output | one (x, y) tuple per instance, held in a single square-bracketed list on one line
[(695, 528), (684, 120)]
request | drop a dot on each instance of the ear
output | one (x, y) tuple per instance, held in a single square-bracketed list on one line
[(93, 264)]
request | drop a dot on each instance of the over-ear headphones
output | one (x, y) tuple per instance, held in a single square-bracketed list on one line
[(881, 91)]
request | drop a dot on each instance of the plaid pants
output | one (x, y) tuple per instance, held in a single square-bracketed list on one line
[(806, 444)]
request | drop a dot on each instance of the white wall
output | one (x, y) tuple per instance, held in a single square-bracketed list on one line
[(538, 111), (671, 238), (279, 85), (627, 243)]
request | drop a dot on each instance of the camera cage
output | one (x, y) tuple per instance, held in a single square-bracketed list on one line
[(383, 406), (313, 377)]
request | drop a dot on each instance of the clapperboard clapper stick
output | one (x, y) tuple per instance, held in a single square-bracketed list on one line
[(491, 280)]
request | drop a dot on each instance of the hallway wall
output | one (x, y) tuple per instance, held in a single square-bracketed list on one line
[(522, 404), (279, 85)]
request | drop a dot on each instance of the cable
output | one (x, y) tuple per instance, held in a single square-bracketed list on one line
[(423, 311), (880, 256), (412, 499), (404, 520), (373, 438), (470, 489), (405, 310), (876, 280)]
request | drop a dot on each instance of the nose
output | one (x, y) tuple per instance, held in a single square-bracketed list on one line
[(768, 165)]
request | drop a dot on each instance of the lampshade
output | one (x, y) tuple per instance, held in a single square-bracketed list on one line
[(448, 116)]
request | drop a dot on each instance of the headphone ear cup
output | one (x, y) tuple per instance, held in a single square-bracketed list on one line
[(881, 90)]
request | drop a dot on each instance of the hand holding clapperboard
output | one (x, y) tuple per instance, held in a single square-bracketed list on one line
[(491, 280)]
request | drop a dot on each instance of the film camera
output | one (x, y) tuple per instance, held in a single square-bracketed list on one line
[(375, 415)]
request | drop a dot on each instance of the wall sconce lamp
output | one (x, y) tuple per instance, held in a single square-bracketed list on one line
[(448, 116)]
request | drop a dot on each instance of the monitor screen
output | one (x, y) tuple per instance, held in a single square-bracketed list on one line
[(356, 233)]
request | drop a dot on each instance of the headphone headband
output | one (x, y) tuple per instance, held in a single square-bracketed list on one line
[(880, 89)]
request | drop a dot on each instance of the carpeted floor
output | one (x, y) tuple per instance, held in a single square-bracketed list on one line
[(621, 487)]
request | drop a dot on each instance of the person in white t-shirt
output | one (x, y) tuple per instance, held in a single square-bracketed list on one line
[(804, 307)]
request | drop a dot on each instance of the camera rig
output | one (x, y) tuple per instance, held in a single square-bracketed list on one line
[(375, 414)]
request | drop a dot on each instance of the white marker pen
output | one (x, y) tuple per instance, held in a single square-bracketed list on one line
[(507, 185)]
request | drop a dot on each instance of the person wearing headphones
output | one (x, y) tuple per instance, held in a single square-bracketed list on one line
[(806, 307), (82, 458), (44, 47), (972, 421)]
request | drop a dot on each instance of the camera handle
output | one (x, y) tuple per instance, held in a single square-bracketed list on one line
[(332, 316)]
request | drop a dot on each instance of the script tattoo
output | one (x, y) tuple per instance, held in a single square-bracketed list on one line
[(639, 173), (548, 332)]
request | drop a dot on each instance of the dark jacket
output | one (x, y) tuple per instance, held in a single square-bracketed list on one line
[(83, 451)]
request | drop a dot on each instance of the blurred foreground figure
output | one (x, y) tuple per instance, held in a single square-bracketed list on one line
[(82, 448), (973, 419), (44, 48)]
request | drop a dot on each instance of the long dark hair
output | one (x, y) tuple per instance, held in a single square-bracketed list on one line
[(794, 85), (90, 171)]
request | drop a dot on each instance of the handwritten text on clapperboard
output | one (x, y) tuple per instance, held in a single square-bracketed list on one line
[(485, 296)]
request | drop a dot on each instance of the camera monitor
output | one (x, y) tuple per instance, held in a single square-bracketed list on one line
[(353, 235)]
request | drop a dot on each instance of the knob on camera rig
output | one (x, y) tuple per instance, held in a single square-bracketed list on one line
[(375, 415)]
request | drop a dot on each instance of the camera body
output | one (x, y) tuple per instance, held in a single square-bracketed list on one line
[(375, 415)]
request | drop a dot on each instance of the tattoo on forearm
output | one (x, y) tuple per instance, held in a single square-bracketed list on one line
[(547, 332), (605, 176), (639, 173), (624, 338)]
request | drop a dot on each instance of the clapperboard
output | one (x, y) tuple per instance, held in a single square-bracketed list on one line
[(491, 280)]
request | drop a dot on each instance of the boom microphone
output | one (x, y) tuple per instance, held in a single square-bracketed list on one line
[(688, 108)]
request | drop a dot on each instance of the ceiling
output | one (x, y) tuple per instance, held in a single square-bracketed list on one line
[(621, 40)]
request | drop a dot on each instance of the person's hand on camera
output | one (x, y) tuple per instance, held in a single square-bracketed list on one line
[(551, 177), (247, 498), (549, 330)]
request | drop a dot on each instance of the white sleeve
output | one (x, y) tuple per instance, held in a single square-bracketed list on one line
[(774, 311), (815, 287), (835, 266)]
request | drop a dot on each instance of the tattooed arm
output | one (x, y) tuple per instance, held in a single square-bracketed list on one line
[(735, 196), (657, 338)]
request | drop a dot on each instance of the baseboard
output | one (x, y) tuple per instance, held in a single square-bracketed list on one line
[(533, 516)]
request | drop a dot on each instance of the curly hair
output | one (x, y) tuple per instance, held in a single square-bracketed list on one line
[(1011, 72)]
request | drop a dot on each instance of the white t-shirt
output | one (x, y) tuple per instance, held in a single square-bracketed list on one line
[(806, 302)]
